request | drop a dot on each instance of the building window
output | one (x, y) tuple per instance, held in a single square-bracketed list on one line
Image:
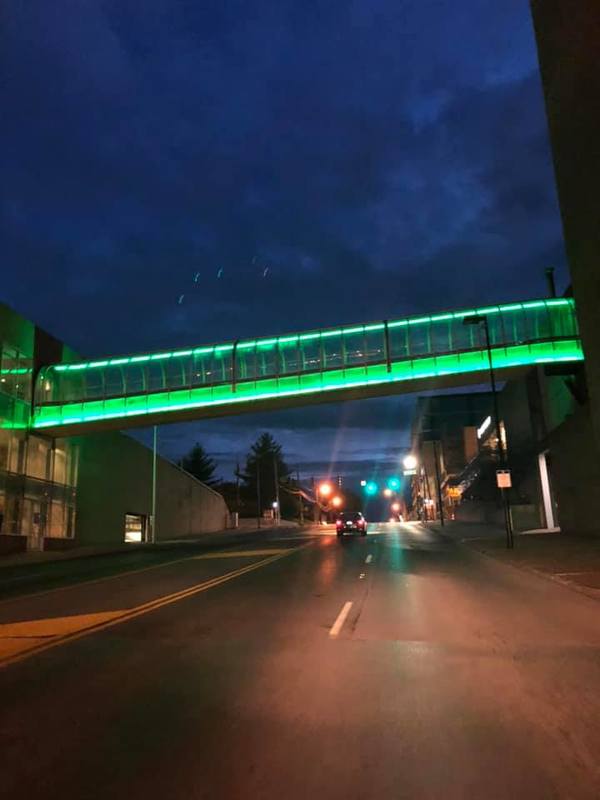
[(39, 458), (16, 452), (135, 527), (15, 373)]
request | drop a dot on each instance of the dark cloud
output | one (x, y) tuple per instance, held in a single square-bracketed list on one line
[(380, 158)]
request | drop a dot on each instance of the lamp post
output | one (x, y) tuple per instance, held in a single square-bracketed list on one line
[(411, 467), (324, 491), (276, 477), (481, 319), (410, 462)]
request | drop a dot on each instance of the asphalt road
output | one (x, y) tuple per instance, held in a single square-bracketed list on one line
[(290, 665)]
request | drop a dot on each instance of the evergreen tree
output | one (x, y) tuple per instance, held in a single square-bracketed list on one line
[(263, 461), (199, 464)]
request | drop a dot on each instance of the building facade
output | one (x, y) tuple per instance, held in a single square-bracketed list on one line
[(546, 430), (445, 440), (81, 490), (567, 35)]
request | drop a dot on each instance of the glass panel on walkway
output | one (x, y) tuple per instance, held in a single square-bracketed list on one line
[(397, 350)]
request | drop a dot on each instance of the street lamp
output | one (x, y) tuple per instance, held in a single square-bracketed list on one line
[(325, 489), (336, 501), (387, 492), (410, 462), (396, 507), (481, 319)]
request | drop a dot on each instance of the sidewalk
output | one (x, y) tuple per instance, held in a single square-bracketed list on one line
[(566, 558)]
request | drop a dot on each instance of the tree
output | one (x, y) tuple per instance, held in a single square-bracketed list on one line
[(199, 464), (264, 459)]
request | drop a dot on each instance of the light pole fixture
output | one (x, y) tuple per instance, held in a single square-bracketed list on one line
[(410, 462), (325, 489), (481, 319)]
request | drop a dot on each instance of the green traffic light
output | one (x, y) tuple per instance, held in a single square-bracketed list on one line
[(371, 488), (393, 483)]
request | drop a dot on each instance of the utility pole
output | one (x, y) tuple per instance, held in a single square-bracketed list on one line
[(154, 465), (258, 514), (301, 509)]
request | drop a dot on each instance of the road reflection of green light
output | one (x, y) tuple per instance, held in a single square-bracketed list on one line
[(397, 557)]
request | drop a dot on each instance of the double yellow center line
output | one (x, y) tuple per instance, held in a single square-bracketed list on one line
[(52, 640)]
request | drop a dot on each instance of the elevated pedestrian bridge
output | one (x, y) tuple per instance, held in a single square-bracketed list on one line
[(354, 361)]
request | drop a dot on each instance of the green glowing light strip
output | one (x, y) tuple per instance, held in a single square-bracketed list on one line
[(16, 371), (304, 337), (426, 367)]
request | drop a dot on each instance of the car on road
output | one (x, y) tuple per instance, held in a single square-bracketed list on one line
[(349, 521)]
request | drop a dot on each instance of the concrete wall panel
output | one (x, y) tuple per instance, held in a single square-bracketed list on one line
[(115, 478)]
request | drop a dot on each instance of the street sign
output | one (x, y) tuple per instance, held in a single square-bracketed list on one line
[(410, 471), (503, 478)]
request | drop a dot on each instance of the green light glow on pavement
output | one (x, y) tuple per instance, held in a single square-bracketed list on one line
[(298, 385)]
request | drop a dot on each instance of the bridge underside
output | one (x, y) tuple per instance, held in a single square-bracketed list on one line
[(273, 403), (405, 376)]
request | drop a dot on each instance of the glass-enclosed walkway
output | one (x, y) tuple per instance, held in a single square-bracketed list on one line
[(379, 357)]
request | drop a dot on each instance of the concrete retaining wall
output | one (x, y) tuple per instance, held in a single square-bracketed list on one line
[(115, 478)]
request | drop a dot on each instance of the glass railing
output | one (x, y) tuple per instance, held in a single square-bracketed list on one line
[(390, 350)]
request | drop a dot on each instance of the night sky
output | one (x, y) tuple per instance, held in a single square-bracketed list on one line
[(182, 172)]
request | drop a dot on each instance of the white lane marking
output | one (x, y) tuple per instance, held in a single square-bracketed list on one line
[(368, 559), (338, 624)]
